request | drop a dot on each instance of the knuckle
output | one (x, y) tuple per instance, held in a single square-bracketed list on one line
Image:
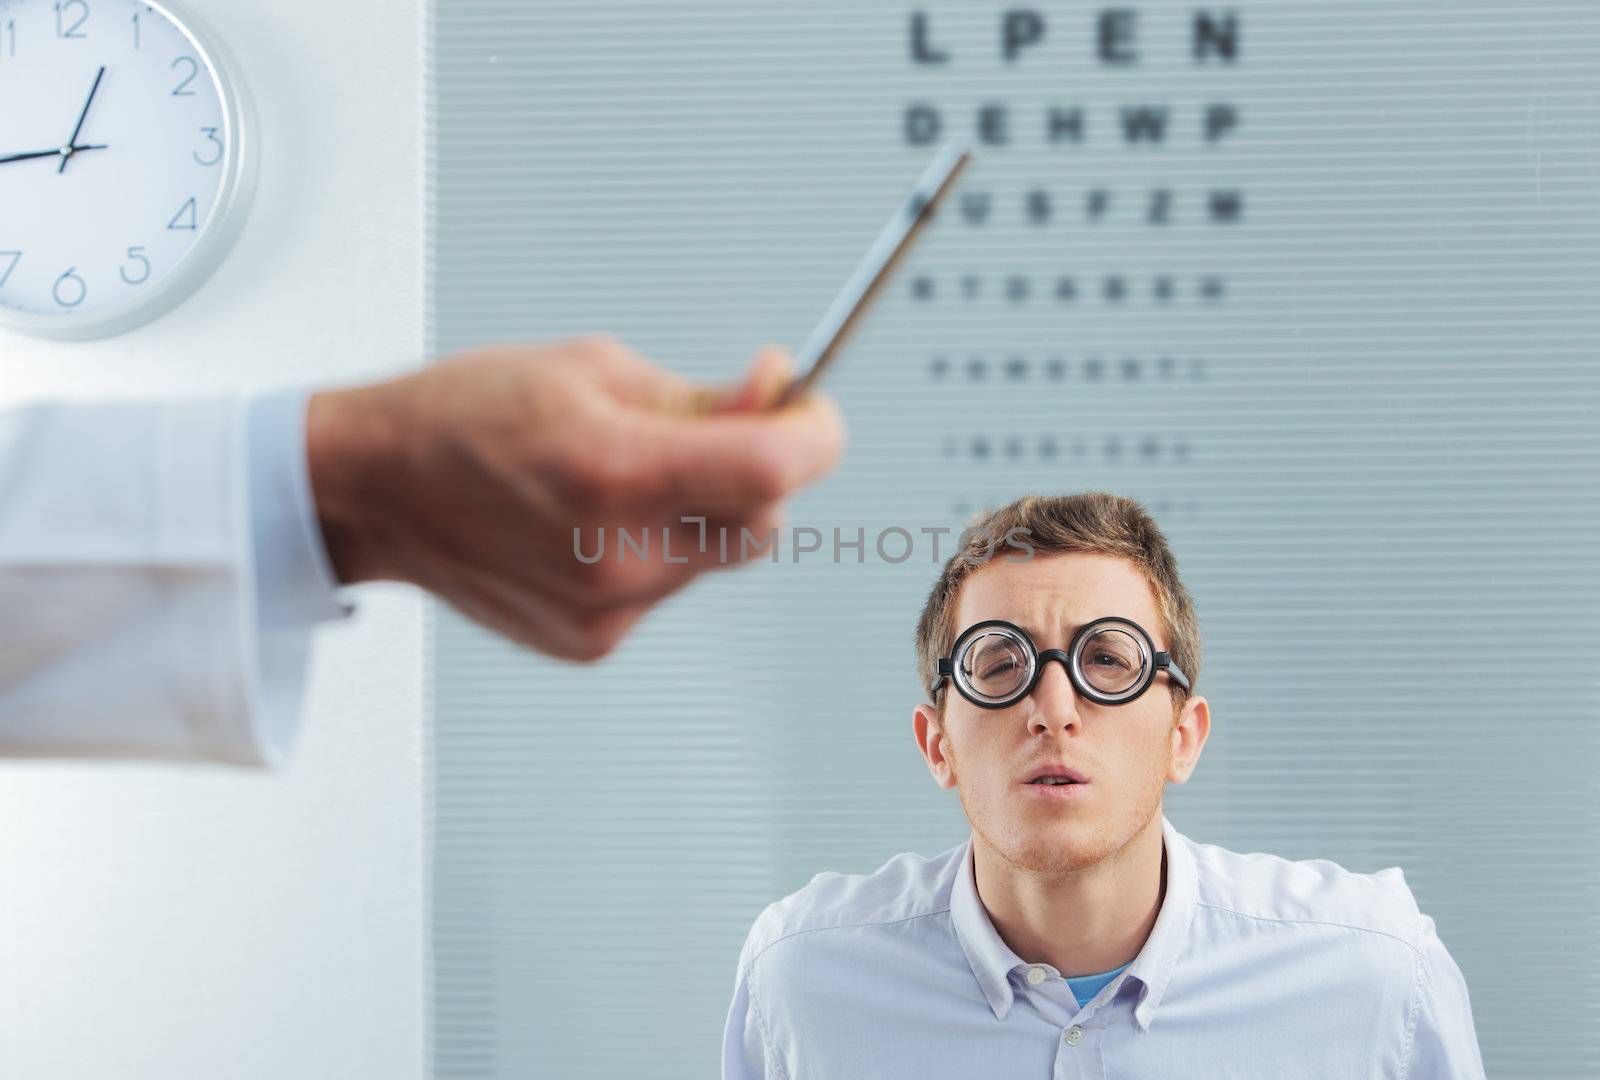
[(599, 632), (618, 478), (833, 423), (595, 577), (615, 579), (604, 346), (775, 484), (596, 471), (604, 470), (770, 479), (589, 650)]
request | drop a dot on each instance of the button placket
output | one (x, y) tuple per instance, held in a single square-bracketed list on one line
[(1079, 1054), (1080, 1047)]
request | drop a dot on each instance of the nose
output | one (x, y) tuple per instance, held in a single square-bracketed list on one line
[(1054, 701)]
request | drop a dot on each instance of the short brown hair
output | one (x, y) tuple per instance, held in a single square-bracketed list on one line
[(1091, 522)]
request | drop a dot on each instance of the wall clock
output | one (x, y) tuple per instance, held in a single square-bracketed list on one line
[(127, 162)]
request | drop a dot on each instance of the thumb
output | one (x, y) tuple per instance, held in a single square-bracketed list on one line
[(769, 373)]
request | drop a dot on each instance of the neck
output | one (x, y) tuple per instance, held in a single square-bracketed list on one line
[(1081, 922)]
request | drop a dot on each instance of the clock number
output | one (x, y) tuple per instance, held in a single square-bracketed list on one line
[(136, 15), (16, 257), (135, 252), (65, 9), (211, 135), (70, 276), (194, 69), (188, 208)]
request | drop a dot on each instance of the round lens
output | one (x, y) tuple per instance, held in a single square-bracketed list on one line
[(1113, 660), (995, 665)]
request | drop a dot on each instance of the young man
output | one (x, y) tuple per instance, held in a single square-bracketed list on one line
[(1077, 933)]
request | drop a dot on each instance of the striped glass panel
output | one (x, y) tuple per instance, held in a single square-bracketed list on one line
[(1337, 327)]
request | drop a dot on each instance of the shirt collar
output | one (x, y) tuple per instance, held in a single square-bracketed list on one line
[(992, 960)]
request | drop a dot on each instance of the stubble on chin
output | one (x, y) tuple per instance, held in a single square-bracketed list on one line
[(1068, 844)]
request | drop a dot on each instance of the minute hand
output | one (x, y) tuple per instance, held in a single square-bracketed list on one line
[(47, 153), (73, 138)]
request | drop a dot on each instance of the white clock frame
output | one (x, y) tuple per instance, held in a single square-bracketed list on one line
[(235, 191)]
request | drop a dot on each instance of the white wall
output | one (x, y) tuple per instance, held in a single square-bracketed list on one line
[(174, 922)]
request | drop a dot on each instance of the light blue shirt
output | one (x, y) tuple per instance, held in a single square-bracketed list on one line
[(1257, 966), (295, 585)]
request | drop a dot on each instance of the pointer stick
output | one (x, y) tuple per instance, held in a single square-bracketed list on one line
[(875, 267)]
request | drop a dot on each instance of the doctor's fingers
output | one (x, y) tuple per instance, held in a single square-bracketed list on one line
[(730, 464), (610, 567), (540, 614), (531, 618), (634, 380)]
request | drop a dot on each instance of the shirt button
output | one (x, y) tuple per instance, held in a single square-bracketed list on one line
[(1036, 975), (1074, 1035)]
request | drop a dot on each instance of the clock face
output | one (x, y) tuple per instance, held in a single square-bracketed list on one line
[(121, 163)]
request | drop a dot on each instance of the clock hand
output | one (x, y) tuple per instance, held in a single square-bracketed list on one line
[(73, 138), (48, 153), (25, 157)]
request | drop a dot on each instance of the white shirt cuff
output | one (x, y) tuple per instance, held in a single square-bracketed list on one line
[(295, 586)]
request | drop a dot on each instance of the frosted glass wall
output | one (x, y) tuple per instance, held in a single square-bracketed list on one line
[(1316, 282)]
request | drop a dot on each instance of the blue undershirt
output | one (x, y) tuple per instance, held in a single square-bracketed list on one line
[(1085, 987)]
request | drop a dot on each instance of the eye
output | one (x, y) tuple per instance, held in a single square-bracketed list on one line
[(1115, 660), (998, 668)]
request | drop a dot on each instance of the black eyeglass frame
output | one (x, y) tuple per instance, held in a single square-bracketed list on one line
[(1160, 661)]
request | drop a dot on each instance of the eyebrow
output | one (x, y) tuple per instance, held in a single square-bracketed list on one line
[(1036, 633)]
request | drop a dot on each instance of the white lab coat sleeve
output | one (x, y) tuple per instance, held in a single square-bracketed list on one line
[(1444, 1045), (129, 609), (745, 1053)]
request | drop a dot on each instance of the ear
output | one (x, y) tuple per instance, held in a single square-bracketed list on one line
[(1189, 738), (931, 738)]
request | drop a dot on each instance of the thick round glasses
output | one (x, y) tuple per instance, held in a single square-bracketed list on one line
[(1111, 661)]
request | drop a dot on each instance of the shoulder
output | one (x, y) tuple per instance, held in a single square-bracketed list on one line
[(906, 887), (1270, 888)]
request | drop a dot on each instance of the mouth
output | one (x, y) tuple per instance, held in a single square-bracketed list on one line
[(1056, 783), (1057, 790), (1056, 776)]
